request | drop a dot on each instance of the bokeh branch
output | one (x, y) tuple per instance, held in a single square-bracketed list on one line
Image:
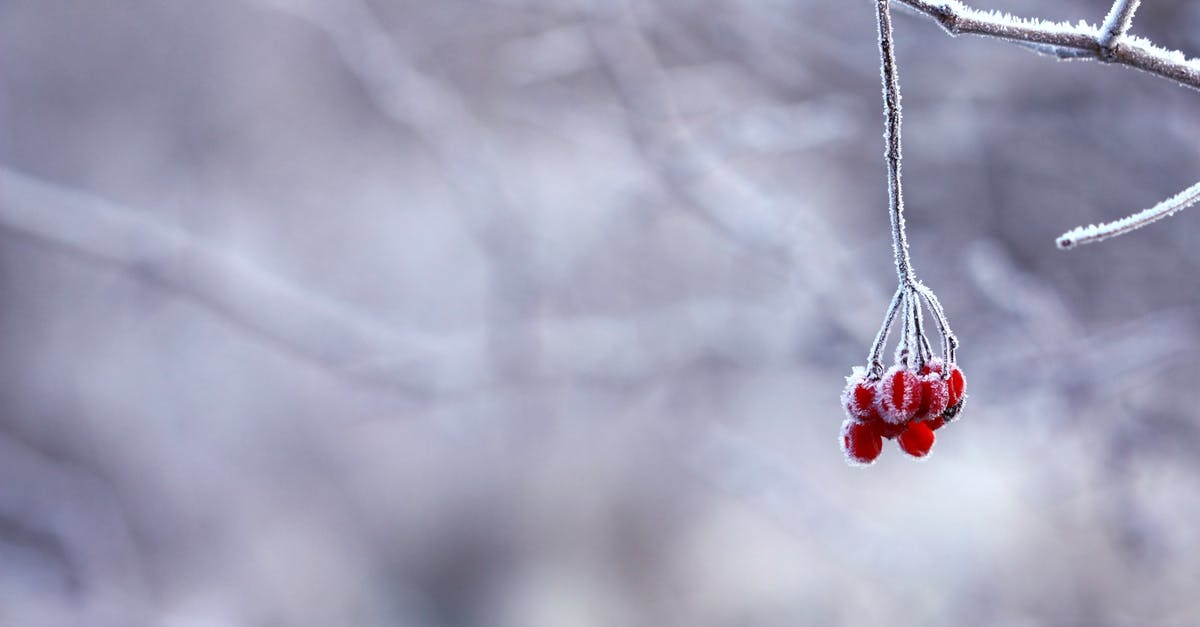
[(262, 304), (348, 344), (710, 188)]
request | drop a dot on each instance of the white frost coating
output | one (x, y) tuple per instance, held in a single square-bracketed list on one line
[(1096, 232), (1166, 54), (1008, 20), (857, 373)]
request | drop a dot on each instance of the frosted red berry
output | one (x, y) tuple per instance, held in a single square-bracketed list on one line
[(956, 384), (935, 395), (919, 394), (900, 395), (861, 443), (906, 404), (859, 396), (917, 439)]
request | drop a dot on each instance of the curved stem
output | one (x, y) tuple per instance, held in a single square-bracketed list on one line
[(874, 360), (1094, 233), (891, 107), (949, 342), (904, 346), (924, 352)]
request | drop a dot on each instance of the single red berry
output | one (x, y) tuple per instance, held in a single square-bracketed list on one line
[(956, 384), (917, 439), (859, 396), (861, 443), (900, 396), (934, 395)]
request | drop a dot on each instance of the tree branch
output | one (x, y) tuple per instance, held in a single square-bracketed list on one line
[(1064, 40), (1117, 23), (1094, 233), (1110, 44)]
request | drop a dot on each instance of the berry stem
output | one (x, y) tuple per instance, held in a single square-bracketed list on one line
[(875, 359), (902, 347), (891, 107), (949, 342)]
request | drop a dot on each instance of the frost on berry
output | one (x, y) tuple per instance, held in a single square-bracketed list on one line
[(861, 443), (900, 395), (917, 439), (859, 396)]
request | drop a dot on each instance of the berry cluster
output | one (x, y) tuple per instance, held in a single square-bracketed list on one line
[(905, 403)]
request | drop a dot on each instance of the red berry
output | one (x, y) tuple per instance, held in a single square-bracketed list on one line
[(917, 439), (859, 396), (956, 386), (936, 423), (900, 396), (861, 443), (934, 395)]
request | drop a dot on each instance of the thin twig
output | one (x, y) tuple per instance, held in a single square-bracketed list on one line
[(1117, 23), (949, 341), (891, 106), (1094, 233), (875, 358)]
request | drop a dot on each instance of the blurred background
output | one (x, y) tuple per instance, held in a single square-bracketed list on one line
[(521, 313)]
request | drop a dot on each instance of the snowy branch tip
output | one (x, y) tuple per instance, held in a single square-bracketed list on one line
[(1094, 233)]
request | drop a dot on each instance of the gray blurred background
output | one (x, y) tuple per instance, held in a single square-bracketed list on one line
[(521, 313)]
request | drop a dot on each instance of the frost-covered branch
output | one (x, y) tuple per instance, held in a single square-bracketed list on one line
[(1109, 43), (1117, 23), (1068, 41), (1096, 232)]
